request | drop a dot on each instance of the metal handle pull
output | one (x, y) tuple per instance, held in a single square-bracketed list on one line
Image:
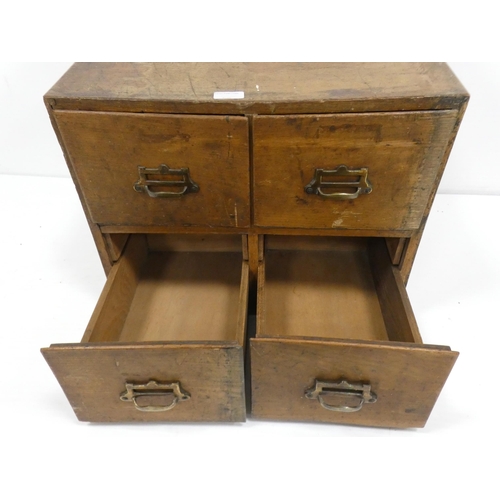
[(359, 391), (153, 388), (351, 178), (186, 184)]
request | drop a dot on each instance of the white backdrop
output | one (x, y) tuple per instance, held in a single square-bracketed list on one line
[(28, 145)]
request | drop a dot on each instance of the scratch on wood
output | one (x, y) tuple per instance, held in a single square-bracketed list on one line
[(364, 81), (192, 87), (224, 69), (236, 214), (255, 350), (181, 358)]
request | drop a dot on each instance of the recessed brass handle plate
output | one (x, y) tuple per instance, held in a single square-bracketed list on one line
[(360, 392), (170, 179), (354, 179), (152, 389)]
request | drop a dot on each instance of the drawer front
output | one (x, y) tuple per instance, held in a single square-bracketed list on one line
[(388, 163), (404, 381), (205, 181), (94, 378)]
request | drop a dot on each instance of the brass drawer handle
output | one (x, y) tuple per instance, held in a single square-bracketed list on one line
[(360, 391), (144, 183), (353, 178), (153, 388)]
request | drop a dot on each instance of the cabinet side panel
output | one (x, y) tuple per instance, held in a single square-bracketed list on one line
[(100, 242), (411, 248)]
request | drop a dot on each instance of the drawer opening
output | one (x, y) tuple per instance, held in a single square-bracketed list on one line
[(333, 288), (174, 289)]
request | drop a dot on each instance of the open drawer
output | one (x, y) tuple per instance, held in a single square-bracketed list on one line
[(166, 340), (337, 340)]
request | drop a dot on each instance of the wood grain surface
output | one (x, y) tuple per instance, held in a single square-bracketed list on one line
[(331, 302), (164, 316), (181, 296), (406, 378), (394, 302), (172, 296), (327, 294), (105, 150), (109, 315), (330, 315), (333, 288), (402, 152), (94, 375), (412, 245), (268, 87)]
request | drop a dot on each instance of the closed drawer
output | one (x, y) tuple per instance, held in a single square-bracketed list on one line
[(165, 342), (194, 169), (337, 340), (352, 171)]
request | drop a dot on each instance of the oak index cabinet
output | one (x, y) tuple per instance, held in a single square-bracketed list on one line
[(303, 188)]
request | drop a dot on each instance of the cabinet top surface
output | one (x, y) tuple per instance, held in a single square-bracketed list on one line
[(267, 87)]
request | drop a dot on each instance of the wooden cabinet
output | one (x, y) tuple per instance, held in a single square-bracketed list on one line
[(303, 188)]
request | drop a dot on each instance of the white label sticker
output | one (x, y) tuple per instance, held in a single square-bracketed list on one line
[(235, 94)]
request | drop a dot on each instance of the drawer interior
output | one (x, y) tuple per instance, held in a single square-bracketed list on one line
[(169, 289), (166, 339), (332, 288)]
